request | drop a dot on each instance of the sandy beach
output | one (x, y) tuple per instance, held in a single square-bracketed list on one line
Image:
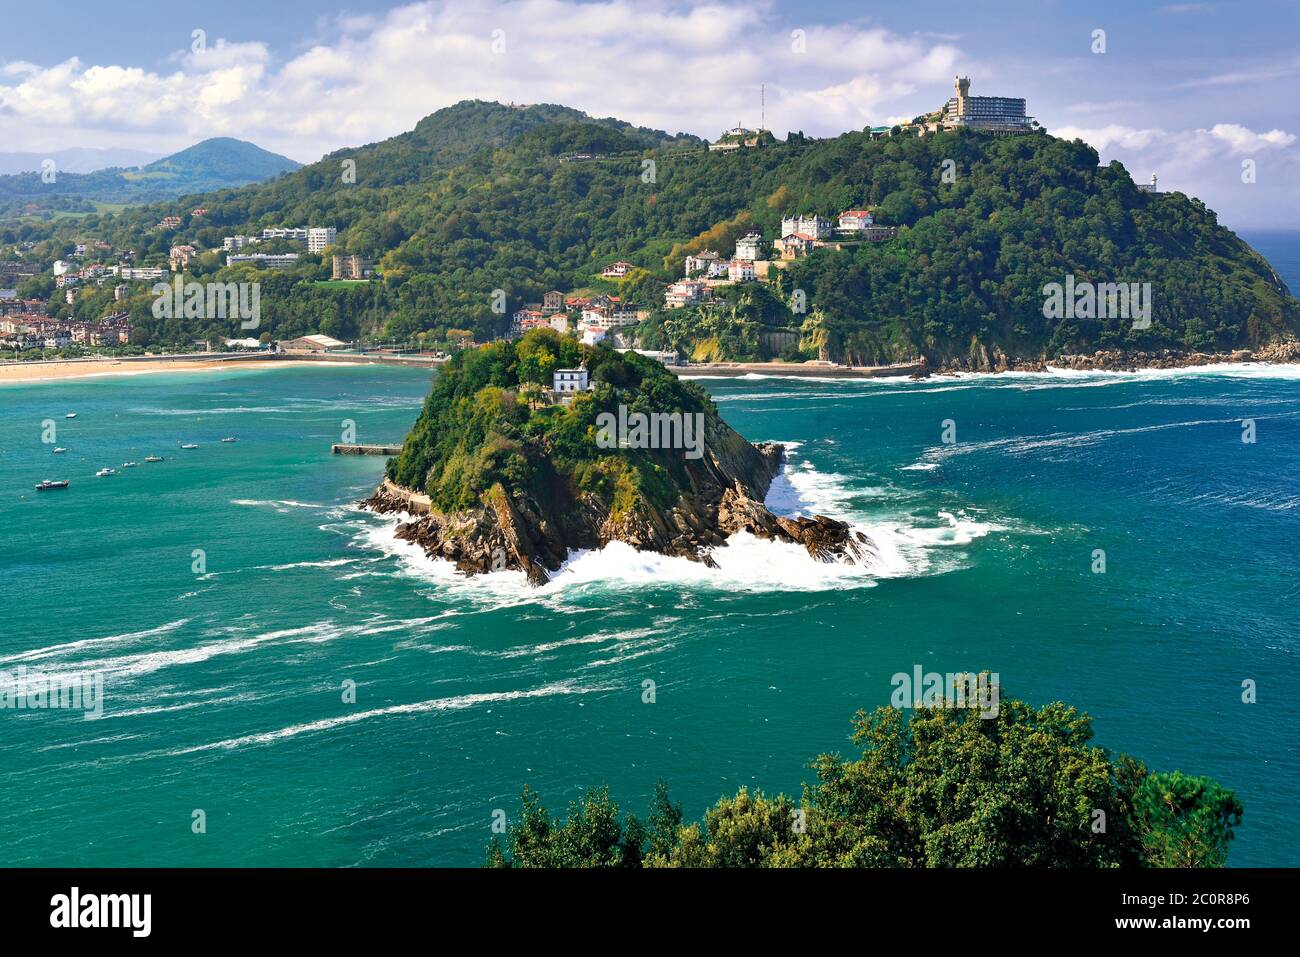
[(79, 368), (11, 371)]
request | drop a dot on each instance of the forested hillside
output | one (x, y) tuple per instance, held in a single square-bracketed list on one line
[(481, 197)]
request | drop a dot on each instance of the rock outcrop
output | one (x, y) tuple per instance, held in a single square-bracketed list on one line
[(723, 495)]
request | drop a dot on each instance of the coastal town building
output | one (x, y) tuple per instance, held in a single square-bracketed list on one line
[(264, 260), (294, 233), (686, 292), (991, 114), (609, 312), (738, 137), (169, 222), (796, 245), (320, 238), (236, 243), (818, 227), (668, 357), (591, 335), (617, 270), (12, 272), (313, 343), (706, 262), (855, 220), (741, 270), (552, 301), (570, 380), (180, 257), (750, 246), (138, 272), (350, 267), (874, 234), (526, 319)]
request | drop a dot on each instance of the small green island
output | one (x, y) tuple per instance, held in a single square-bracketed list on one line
[(527, 450)]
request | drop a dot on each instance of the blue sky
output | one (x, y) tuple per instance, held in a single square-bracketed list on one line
[(1192, 90)]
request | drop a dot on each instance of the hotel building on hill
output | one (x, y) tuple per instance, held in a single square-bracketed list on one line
[(991, 114)]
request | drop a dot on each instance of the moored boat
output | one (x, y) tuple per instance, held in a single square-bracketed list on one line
[(47, 485)]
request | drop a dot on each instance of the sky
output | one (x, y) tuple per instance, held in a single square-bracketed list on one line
[(1193, 91)]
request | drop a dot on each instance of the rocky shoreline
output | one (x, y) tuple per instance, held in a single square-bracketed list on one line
[(515, 531), (986, 359)]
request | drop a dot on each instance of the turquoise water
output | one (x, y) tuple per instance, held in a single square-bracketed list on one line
[(222, 686)]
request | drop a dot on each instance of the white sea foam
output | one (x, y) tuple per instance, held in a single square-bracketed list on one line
[(54, 651), (417, 707), (905, 544)]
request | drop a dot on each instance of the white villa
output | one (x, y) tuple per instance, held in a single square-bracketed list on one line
[(741, 270), (706, 262), (750, 246), (855, 220), (818, 227), (571, 380)]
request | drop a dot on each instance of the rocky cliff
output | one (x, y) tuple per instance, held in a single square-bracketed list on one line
[(501, 473), (513, 530)]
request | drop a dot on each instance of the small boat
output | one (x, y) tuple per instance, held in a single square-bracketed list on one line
[(230, 438), (47, 485), (59, 451), (128, 465), (190, 446), (71, 415), (153, 458), (103, 472)]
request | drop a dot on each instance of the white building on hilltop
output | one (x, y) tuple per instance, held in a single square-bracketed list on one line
[(319, 238), (750, 246), (818, 227), (570, 380)]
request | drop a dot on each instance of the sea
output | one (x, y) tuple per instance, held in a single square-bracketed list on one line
[(281, 682)]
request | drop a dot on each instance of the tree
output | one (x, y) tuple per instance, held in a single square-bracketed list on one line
[(1186, 821), (949, 787)]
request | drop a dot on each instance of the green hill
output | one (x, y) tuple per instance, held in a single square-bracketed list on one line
[(212, 164), (482, 197)]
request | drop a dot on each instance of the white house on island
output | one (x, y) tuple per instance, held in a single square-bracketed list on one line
[(570, 380)]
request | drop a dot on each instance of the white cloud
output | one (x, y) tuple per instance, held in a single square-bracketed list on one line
[(1209, 164), (1242, 140), (662, 64)]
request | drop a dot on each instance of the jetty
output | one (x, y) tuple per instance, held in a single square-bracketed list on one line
[(389, 450)]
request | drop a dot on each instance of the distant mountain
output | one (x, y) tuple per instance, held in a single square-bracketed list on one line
[(76, 160), (213, 164)]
